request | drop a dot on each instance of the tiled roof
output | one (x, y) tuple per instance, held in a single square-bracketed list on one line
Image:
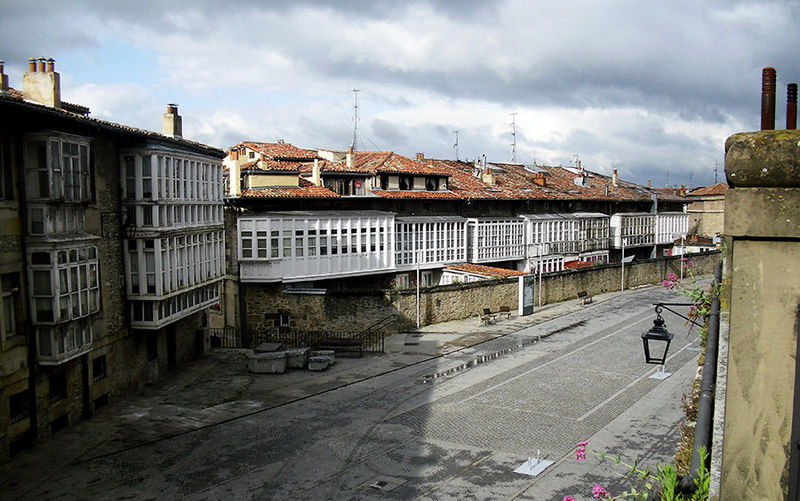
[(439, 195), (305, 190), (390, 162), (278, 150), (14, 98), (704, 191), (479, 269), (272, 165), (577, 265)]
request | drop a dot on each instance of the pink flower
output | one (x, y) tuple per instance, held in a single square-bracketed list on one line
[(598, 492), (580, 452), (672, 277), (684, 259), (692, 308), (569, 498), (691, 263)]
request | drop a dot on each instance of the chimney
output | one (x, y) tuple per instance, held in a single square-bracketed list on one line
[(539, 179), (614, 178), (648, 184), (172, 124), (3, 79), (791, 106), (420, 157), (349, 159), (42, 85), (768, 98), (234, 174), (316, 178)]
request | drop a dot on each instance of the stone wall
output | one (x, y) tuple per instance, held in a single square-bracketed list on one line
[(356, 309), (762, 216)]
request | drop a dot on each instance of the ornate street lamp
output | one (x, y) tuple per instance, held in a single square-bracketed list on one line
[(656, 341)]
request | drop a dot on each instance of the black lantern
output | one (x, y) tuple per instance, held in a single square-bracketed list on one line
[(656, 341)]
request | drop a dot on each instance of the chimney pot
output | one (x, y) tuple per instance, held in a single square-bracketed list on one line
[(648, 184), (791, 106), (51, 65), (32, 64), (40, 86), (3, 79), (420, 157), (41, 64), (614, 178), (768, 77)]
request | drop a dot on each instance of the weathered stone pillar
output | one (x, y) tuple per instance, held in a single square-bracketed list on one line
[(762, 219)]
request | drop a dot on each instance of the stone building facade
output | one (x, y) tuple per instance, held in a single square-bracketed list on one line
[(72, 338)]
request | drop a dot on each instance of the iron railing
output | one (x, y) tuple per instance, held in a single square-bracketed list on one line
[(372, 341)]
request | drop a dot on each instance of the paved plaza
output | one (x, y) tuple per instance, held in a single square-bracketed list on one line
[(446, 413)]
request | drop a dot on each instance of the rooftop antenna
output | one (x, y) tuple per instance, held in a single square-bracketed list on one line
[(354, 146), (455, 145), (514, 137), (716, 166), (691, 172), (666, 173)]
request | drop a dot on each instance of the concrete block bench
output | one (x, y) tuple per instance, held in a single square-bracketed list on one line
[(267, 363), (297, 358)]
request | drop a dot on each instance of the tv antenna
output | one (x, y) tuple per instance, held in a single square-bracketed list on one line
[(514, 137), (455, 145), (716, 166), (354, 145)]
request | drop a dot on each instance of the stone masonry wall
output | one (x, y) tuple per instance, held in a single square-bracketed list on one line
[(355, 310)]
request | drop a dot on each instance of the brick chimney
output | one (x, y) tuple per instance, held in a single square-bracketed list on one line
[(539, 179), (316, 173), (172, 124), (3, 79), (420, 157), (43, 84)]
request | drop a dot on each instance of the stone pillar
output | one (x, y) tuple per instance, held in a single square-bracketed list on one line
[(762, 221)]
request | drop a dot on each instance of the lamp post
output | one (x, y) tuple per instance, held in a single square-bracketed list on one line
[(622, 279), (683, 249), (656, 345), (541, 249)]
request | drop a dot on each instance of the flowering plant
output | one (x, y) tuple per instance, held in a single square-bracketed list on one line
[(664, 481)]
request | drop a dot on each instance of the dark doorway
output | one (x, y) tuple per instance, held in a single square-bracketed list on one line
[(172, 346)]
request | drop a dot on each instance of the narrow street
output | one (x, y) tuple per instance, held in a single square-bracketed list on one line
[(453, 427)]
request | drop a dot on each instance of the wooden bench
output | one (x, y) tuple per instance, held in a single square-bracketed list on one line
[(505, 310), (487, 317), (341, 345), (584, 297)]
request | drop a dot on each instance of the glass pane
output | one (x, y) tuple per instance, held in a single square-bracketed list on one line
[(41, 283)]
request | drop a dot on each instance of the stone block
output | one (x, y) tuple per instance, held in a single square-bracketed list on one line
[(318, 363), (329, 354), (267, 363), (297, 358)]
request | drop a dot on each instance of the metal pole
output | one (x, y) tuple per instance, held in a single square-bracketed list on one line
[(540, 277), (622, 279), (419, 253), (683, 252)]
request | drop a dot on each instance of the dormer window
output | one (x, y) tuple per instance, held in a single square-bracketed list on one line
[(432, 184), (406, 182)]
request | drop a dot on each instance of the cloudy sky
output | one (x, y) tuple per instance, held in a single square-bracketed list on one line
[(649, 88)]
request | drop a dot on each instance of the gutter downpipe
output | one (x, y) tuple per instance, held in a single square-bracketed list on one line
[(705, 410)]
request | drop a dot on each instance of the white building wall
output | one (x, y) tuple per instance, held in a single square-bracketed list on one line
[(431, 241), (638, 229), (495, 239), (669, 224)]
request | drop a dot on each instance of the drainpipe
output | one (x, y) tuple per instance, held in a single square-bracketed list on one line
[(768, 77), (705, 410)]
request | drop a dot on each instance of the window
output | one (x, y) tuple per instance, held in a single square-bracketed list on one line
[(427, 278), (19, 406), (406, 182), (57, 168), (58, 387), (283, 319), (70, 276), (99, 368), (432, 184), (9, 289)]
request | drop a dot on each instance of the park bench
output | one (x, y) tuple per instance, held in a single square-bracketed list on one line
[(341, 345), (505, 310), (584, 297), (487, 317)]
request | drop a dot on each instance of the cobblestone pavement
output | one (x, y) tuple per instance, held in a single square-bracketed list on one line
[(384, 427)]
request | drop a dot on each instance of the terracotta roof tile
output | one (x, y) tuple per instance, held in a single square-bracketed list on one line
[(388, 161), (489, 271), (438, 195), (305, 190), (279, 150), (714, 189)]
